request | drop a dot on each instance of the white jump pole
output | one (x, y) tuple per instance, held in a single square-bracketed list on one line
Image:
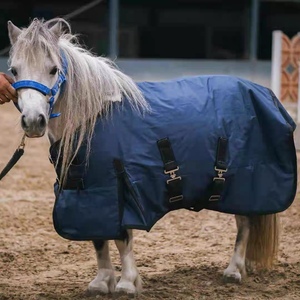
[(276, 63)]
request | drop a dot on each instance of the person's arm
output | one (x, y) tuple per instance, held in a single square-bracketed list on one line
[(7, 92)]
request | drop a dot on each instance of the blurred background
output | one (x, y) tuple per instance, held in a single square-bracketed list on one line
[(160, 39)]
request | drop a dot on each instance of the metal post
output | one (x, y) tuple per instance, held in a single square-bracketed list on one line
[(113, 28), (254, 29), (246, 16)]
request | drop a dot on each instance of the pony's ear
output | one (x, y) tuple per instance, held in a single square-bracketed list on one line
[(60, 25), (56, 29), (13, 32)]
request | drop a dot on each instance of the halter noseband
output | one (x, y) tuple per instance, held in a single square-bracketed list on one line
[(31, 84)]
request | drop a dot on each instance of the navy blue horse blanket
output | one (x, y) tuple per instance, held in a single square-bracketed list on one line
[(214, 142)]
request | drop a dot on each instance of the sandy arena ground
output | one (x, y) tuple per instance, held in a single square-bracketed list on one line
[(183, 257)]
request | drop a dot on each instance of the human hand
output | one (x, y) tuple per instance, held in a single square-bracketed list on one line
[(7, 92)]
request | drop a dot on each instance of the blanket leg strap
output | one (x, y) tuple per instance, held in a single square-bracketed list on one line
[(174, 183), (218, 183)]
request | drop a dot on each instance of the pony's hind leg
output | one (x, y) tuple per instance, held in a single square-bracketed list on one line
[(130, 282), (236, 268), (105, 280)]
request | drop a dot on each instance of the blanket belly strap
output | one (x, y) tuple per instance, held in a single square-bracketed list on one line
[(218, 183), (174, 184)]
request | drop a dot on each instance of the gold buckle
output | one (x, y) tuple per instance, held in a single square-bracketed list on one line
[(172, 175), (22, 143), (172, 172), (219, 178), (176, 198), (220, 172), (214, 198), (172, 179)]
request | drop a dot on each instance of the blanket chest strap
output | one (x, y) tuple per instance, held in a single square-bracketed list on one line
[(174, 183)]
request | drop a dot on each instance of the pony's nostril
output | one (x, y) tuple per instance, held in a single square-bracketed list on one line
[(23, 122), (42, 121)]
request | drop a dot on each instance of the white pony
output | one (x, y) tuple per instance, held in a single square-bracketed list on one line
[(93, 84)]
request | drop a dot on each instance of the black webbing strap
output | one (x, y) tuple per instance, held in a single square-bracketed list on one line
[(74, 179), (119, 167), (167, 155), (121, 173), (174, 184), (221, 154), (14, 159), (218, 183)]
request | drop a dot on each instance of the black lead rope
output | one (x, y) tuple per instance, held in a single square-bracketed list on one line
[(14, 159)]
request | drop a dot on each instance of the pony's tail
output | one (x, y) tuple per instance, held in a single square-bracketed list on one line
[(262, 245)]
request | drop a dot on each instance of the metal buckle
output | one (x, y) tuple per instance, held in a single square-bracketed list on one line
[(176, 198), (172, 175), (172, 179), (214, 198), (219, 178), (22, 143), (220, 172), (172, 172)]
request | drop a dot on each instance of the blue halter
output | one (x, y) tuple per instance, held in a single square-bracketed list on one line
[(31, 84)]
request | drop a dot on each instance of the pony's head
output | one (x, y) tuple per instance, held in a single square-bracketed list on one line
[(41, 54), (37, 66)]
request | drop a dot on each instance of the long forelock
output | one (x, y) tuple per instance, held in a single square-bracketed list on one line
[(35, 42)]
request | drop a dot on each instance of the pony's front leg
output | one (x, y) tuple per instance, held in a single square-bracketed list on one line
[(236, 268), (105, 280), (130, 282)]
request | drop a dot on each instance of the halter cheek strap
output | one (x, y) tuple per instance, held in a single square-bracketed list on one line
[(31, 84)]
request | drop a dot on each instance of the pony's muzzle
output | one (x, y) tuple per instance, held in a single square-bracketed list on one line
[(34, 126)]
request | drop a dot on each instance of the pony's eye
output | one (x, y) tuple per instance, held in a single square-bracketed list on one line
[(53, 71), (13, 71)]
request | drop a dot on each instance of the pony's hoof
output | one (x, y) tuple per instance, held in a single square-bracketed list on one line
[(232, 277), (98, 286), (126, 287)]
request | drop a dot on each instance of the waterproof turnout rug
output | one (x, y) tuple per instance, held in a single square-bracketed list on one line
[(215, 142)]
